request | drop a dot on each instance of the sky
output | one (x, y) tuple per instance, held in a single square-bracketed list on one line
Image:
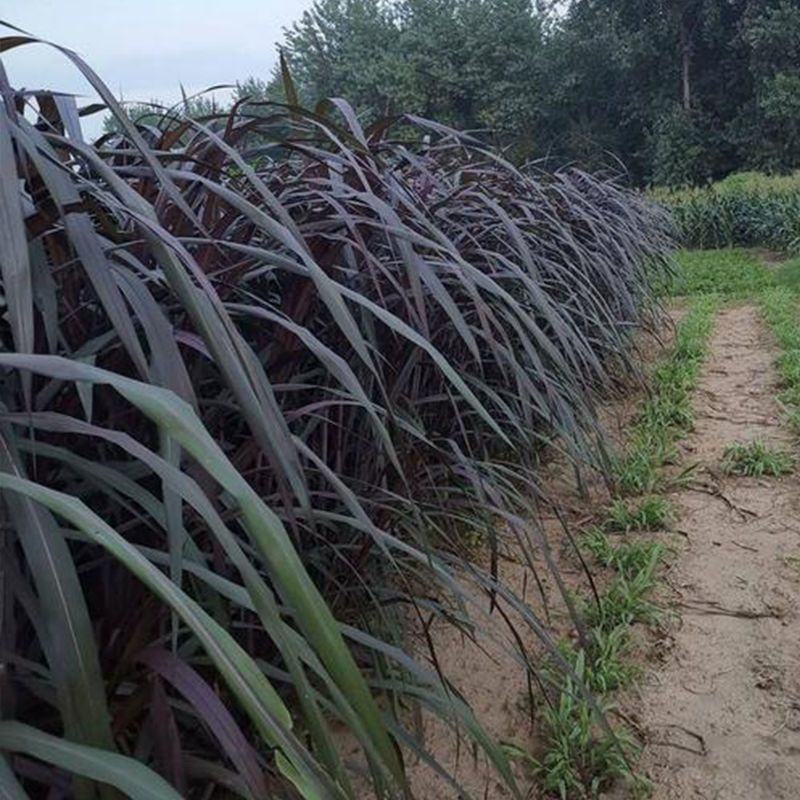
[(145, 49)]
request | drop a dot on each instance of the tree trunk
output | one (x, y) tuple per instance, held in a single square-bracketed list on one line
[(685, 46)]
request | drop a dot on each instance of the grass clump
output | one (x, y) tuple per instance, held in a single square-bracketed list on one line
[(628, 559), (646, 514), (625, 600), (582, 757), (756, 459)]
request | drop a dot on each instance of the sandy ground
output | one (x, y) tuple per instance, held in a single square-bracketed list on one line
[(722, 712)]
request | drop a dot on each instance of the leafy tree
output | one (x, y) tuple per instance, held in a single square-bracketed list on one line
[(682, 148), (469, 63), (345, 47), (773, 38), (679, 91)]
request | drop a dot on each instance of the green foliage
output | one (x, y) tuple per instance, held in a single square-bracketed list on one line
[(584, 80), (773, 39), (581, 757), (683, 149), (746, 209), (731, 272), (668, 411), (467, 63), (779, 308), (628, 557), (787, 274), (640, 514), (755, 459), (625, 600)]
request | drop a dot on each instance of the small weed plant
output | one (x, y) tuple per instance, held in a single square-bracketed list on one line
[(582, 757), (647, 514), (756, 459)]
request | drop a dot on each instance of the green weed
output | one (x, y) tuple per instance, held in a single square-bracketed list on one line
[(605, 660), (731, 271), (668, 412), (582, 758), (647, 514), (628, 558), (625, 600), (756, 459)]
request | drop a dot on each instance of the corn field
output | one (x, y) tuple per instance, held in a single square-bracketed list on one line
[(748, 209), (266, 378)]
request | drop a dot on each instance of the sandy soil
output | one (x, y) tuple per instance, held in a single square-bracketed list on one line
[(722, 712)]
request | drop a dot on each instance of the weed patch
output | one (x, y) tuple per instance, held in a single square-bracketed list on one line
[(646, 514), (755, 459), (779, 309), (667, 414)]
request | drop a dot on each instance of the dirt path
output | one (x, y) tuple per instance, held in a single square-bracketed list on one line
[(723, 712)]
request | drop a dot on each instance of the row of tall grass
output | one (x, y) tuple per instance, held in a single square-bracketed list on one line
[(265, 378), (746, 209)]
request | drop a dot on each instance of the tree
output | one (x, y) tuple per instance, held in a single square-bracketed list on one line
[(469, 63), (677, 90), (345, 47), (773, 39)]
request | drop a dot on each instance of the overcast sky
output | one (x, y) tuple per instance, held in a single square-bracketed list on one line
[(144, 49)]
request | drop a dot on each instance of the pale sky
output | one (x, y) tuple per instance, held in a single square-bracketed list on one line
[(144, 49)]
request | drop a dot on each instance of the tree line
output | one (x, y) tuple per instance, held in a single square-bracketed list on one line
[(679, 91)]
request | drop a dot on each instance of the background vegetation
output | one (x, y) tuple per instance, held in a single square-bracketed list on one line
[(744, 209), (680, 91)]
